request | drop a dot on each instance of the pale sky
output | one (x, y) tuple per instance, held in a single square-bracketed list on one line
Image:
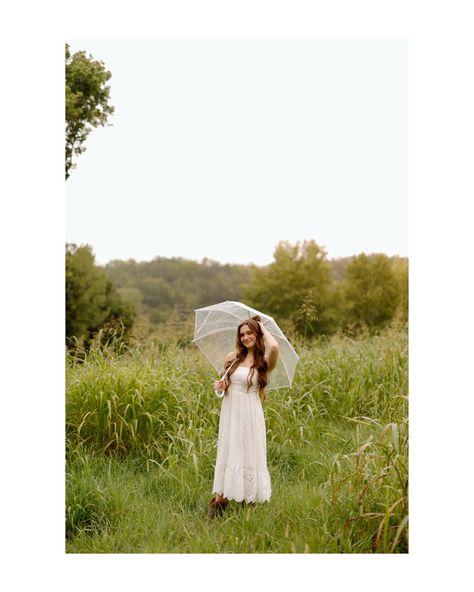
[(222, 148)]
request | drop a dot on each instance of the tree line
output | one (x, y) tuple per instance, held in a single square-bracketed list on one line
[(302, 289)]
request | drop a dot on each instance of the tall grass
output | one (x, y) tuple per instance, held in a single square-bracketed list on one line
[(141, 442)]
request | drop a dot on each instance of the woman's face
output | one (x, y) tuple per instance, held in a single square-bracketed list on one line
[(247, 338)]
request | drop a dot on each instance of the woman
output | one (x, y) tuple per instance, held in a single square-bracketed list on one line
[(241, 470)]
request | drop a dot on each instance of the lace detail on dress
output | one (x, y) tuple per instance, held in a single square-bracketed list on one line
[(242, 483)]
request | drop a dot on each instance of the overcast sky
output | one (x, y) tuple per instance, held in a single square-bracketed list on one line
[(222, 148)]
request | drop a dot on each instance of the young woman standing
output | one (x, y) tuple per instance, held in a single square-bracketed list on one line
[(241, 470)]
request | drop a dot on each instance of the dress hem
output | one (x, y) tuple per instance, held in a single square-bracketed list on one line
[(248, 500)]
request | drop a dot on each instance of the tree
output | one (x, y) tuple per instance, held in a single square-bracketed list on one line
[(297, 287), (87, 99), (372, 291), (91, 300)]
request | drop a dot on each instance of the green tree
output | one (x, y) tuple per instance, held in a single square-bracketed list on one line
[(372, 291), (92, 302), (296, 287), (87, 101), (156, 292), (133, 296), (176, 285)]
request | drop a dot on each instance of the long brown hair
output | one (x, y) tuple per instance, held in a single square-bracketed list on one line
[(259, 362)]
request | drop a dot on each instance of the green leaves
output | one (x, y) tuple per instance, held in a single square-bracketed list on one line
[(91, 301), (372, 291), (87, 97), (296, 286), (318, 297)]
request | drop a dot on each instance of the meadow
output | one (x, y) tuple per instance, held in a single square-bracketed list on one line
[(141, 436)]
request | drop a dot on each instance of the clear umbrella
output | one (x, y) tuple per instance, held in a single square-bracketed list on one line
[(215, 332)]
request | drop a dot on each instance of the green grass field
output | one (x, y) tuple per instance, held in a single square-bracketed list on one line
[(141, 444)]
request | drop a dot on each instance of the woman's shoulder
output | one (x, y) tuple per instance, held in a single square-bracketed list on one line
[(230, 356)]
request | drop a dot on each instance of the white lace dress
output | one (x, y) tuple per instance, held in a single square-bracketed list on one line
[(241, 465)]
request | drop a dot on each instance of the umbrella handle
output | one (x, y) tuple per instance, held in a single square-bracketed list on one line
[(221, 394)]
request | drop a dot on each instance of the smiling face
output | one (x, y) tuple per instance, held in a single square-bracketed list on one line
[(247, 337)]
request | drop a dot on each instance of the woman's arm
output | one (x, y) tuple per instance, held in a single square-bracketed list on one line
[(220, 385), (272, 349)]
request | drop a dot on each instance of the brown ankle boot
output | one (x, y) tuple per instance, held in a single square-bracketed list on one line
[(216, 507)]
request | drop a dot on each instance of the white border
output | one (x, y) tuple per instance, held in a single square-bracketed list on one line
[(440, 188)]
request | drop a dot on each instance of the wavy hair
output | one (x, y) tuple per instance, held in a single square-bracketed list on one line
[(259, 363)]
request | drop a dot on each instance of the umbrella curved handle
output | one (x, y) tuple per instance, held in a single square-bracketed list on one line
[(221, 394)]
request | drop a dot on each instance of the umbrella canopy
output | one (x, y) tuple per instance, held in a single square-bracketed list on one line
[(215, 333)]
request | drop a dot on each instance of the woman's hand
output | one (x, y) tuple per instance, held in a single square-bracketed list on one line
[(219, 385), (272, 348)]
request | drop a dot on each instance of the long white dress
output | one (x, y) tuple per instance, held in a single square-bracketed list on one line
[(241, 465)]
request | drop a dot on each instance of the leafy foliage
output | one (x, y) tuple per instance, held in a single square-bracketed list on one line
[(87, 101), (170, 286), (307, 294), (92, 303), (297, 287), (372, 293)]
